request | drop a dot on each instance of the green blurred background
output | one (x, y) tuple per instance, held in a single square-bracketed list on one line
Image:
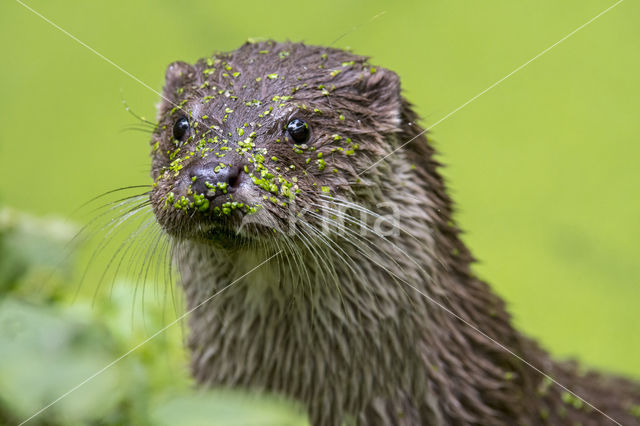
[(544, 167)]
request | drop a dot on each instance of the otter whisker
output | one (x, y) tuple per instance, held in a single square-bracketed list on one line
[(368, 254), (136, 129), (169, 274), (169, 278), (331, 245), (126, 215), (301, 269), (141, 119), (362, 225), (161, 281), (113, 228), (120, 252), (393, 223), (340, 227), (95, 219), (288, 254), (143, 270), (428, 276), (372, 255), (112, 220), (328, 245), (124, 188), (325, 271)]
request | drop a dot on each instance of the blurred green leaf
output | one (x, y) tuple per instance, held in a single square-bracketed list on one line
[(225, 408), (46, 353), (49, 346), (36, 247)]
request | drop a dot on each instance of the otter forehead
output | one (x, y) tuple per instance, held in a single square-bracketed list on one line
[(257, 71), (253, 84)]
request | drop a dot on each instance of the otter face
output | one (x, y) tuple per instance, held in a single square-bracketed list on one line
[(250, 140)]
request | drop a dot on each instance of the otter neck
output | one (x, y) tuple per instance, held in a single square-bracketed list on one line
[(359, 305)]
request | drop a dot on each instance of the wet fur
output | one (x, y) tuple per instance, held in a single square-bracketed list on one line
[(351, 323)]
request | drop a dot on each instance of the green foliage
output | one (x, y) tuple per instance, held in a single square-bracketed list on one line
[(543, 167), (223, 408), (50, 344)]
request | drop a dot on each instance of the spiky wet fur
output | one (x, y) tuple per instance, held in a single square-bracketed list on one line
[(361, 327)]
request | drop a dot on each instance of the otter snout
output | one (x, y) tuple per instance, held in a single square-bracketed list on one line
[(214, 178)]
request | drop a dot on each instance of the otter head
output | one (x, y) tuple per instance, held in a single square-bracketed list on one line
[(250, 141)]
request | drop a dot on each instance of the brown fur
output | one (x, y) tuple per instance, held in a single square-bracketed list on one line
[(356, 325)]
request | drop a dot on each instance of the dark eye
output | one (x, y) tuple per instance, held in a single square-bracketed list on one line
[(299, 130), (180, 128)]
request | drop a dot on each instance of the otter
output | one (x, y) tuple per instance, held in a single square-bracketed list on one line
[(301, 193)]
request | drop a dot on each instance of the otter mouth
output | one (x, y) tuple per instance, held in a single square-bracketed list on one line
[(187, 211), (233, 232), (223, 223), (221, 236)]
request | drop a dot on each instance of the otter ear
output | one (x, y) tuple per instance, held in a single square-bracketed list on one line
[(381, 88), (178, 75)]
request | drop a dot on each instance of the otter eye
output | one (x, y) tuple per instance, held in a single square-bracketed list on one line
[(299, 130), (180, 128)]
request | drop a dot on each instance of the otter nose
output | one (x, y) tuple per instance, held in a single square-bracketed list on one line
[(211, 179)]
